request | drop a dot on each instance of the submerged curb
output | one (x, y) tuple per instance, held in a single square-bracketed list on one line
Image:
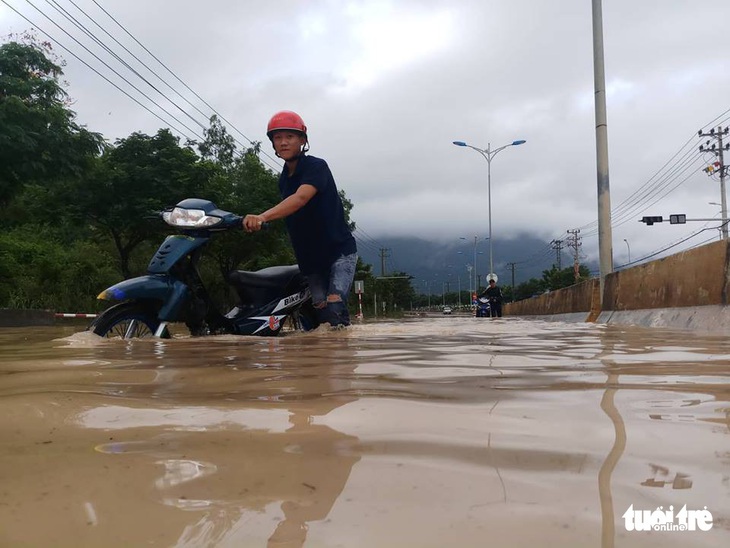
[(709, 319), (21, 318)]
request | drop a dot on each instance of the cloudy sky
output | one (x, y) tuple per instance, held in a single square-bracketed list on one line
[(385, 86)]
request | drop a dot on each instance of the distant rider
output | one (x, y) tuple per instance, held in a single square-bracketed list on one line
[(494, 294), (315, 218)]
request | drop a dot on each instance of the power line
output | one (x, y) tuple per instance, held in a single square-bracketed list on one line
[(91, 35), (649, 194), (118, 58), (163, 65), (108, 66), (166, 122), (558, 246)]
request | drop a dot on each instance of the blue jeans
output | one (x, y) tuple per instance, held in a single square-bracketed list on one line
[(325, 286)]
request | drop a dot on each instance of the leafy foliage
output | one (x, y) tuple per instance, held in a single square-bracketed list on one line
[(139, 176), (39, 139), (38, 270), (551, 280)]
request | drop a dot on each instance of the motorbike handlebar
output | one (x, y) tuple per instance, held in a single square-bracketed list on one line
[(228, 220)]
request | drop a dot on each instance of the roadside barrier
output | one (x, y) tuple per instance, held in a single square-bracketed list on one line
[(64, 315)]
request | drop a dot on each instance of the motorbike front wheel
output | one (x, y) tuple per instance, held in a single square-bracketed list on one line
[(131, 320)]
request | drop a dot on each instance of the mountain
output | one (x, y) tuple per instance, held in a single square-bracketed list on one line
[(438, 263)]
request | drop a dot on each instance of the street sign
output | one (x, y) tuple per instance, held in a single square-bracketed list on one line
[(359, 287)]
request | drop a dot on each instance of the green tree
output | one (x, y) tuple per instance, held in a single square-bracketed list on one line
[(551, 280), (39, 139), (138, 176), (347, 206), (527, 289), (218, 146), (396, 291), (556, 279), (38, 269)]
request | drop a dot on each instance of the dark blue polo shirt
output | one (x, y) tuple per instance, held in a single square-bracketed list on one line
[(318, 231)]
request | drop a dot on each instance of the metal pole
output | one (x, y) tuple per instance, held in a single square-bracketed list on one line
[(628, 247), (476, 289), (605, 249), (723, 199), (489, 195)]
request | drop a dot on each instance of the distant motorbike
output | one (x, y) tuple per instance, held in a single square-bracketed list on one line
[(172, 290), (484, 307)]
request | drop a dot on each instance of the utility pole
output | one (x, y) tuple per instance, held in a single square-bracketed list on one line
[(558, 246), (511, 266), (575, 243), (717, 150), (383, 255), (605, 238)]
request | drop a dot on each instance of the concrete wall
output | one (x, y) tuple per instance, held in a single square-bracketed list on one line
[(576, 298), (696, 277), (688, 290)]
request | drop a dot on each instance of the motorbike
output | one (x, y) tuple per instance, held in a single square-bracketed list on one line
[(484, 307), (172, 291), (487, 307)]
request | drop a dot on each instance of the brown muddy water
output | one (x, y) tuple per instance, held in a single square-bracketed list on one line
[(430, 432)]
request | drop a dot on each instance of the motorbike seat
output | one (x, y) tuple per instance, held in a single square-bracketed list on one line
[(262, 285), (274, 276)]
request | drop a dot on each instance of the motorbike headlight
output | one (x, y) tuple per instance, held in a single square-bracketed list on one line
[(195, 218)]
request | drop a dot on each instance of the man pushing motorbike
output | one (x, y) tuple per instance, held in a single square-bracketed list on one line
[(315, 219), (494, 294)]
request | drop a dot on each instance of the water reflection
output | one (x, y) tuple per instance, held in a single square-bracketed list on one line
[(608, 517), (651, 365), (280, 470)]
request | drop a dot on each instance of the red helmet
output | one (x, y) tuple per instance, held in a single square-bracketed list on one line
[(287, 120)]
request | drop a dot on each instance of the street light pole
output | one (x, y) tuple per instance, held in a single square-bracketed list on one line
[(488, 154), (475, 262), (628, 247)]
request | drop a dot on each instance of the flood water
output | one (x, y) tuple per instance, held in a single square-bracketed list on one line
[(427, 432)]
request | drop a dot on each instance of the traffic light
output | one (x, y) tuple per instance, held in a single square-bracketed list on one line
[(678, 219), (652, 219)]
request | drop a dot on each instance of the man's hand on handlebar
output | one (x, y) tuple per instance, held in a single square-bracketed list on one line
[(253, 223)]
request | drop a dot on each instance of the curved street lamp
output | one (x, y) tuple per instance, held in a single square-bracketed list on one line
[(488, 154)]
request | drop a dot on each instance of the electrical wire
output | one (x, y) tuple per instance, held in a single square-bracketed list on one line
[(163, 65), (93, 37), (70, 52), (190, 134), (674, 173)]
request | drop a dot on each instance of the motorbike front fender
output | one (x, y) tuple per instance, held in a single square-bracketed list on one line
[(165, 289)]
